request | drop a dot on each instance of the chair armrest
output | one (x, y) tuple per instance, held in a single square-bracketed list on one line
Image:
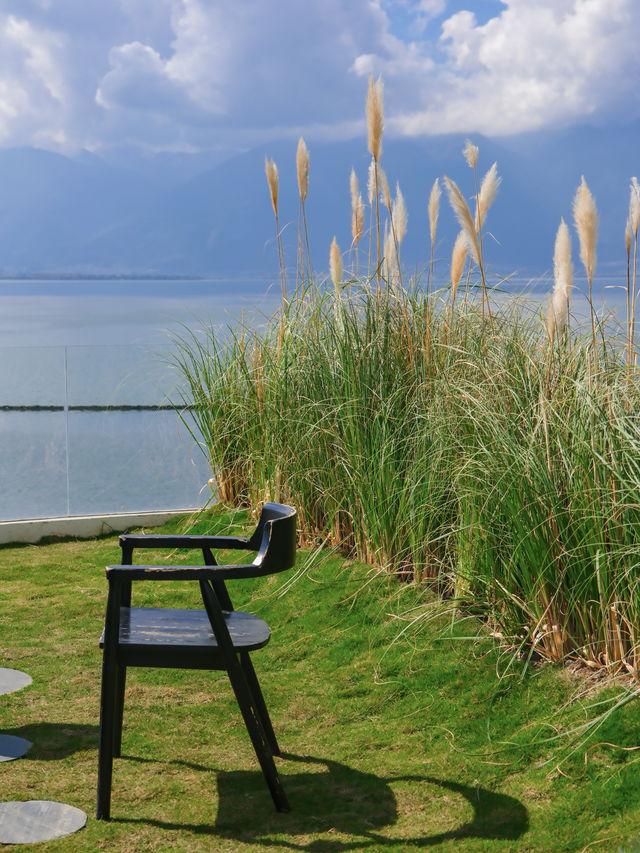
[(165, 573), (159, 540)]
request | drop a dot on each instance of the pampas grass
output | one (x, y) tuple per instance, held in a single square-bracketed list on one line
[(372, 190), (302, 172), (631, 235), (302, 168), (431, 441), (585, 218), (470, 153), (488, 191), (466, 221), (458, 259), (335, 265), (374, 111), (357, 216), (399, 216), (271, 171), (558, 311), (434, 209)]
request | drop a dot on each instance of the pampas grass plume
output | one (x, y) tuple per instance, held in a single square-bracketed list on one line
[(353, 188), (458, 258), (434, 209), (384, 188), (488, 189), (463, 215), (271, 171), (563, 277), (470, 152), (302, 168), (634, 206), (399, 216), (357, 209), (387, 251), (371, 182), (551, 319), (585, 217), (335, 264), (375, 116)]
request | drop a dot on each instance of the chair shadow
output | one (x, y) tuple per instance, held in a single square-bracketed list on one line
[(52, 741), (341, 800)]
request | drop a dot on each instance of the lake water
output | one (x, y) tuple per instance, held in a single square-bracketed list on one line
[(71, 346), (75, 347)]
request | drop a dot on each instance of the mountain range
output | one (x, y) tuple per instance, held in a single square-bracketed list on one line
[(178, 214)]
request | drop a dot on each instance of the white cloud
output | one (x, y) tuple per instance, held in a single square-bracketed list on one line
[(189, 73), (537, 64), (253, 63), (33, 93)]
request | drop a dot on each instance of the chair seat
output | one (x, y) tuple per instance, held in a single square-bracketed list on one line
[(153, 636)]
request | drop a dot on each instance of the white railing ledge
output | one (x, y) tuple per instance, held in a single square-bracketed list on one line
[(33, 530)]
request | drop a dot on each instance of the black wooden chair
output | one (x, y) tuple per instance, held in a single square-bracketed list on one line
[(214, 637)]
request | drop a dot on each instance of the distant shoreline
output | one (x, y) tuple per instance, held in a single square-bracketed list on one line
[(50, 276)]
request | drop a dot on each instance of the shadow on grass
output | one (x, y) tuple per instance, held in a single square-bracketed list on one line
[(341, 800), (52, 741)]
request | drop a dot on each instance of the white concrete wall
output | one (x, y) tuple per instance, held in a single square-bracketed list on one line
[(81, 527)]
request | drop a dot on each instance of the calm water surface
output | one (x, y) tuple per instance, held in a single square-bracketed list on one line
[(66, 345)]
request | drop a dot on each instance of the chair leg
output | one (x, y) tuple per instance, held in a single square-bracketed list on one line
[(258, 735), (121, 681), (244, 697), (258, 701), (107, 738)]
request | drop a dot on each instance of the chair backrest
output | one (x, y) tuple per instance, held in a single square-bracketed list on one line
[(275, 538)]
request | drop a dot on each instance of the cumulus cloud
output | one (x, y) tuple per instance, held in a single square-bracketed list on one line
[(32, 89), (552, 62), (253, 63), (190, 73)]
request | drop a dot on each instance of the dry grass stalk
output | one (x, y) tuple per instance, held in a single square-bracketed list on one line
[(434, 209), (271, 171), (585, 217)]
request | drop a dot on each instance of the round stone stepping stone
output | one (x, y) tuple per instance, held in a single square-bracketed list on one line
[(12, 680), (38, 820), (13, 747)]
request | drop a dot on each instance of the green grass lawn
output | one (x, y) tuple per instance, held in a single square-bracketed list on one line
[(393, 739)]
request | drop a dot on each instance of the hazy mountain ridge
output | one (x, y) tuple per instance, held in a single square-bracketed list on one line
[(85, 214)]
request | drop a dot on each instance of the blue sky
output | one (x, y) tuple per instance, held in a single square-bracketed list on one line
[(204, 75)]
